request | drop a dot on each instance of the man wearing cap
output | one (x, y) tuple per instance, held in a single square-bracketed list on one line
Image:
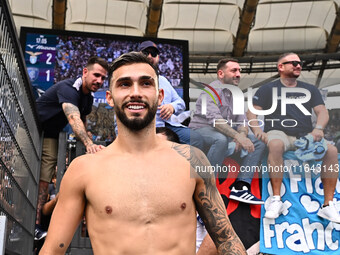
[(172, 103)]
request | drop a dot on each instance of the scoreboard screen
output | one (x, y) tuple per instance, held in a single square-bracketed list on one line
[(55, 55), (40, 58)]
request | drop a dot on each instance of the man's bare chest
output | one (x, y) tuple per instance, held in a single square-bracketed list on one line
[(138, 188)]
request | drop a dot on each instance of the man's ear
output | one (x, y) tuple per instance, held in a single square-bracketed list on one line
[(160, 96), (220, 74), (85, 71), (109, 98)]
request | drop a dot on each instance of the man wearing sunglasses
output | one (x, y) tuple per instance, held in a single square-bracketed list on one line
[(172, 103), (281, 137)]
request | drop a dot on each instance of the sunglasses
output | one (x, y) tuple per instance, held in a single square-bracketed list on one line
[(153, 53), (294, 63)]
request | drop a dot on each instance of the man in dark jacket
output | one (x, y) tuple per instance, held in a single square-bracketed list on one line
[(68, 101)]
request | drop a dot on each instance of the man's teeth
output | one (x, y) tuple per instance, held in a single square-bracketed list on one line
[(135, 107)]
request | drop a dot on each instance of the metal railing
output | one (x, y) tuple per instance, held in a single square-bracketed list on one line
[(20, 142)]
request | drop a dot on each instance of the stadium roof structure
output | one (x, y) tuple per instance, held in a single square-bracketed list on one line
[(254, 31)]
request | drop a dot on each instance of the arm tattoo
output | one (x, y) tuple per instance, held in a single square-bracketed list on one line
[(209, 203), (73, 116), (225, 129), (242, 129)]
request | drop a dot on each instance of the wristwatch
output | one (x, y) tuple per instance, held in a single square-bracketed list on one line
[(319, 127)]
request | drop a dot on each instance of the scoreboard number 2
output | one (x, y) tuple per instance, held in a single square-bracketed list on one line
[(49, 57)]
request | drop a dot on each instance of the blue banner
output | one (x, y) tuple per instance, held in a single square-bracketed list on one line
[(299, 230)]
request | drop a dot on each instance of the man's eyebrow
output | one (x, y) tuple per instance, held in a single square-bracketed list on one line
[(124, 79), (144, 77), (99, 74)]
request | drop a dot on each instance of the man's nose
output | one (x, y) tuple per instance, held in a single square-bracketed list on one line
[(149, 56), (135, 90), (99, 80)]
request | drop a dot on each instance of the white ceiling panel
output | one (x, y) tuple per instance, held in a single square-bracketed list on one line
[(219, 2), (33, 13), (35, 8), (292, 39), (200, 17), (296, 14), (120, 17), (202, 41)]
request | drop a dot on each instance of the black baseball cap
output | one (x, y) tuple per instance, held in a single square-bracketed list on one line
[(147, 44)]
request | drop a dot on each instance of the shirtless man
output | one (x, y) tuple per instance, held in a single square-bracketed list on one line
[(140, 194)]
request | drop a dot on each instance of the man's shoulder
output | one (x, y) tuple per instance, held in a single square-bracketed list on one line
[(194, 155), (60, 85), (200, 166), (271, 84), (82, 170), (79, 166), (305, 85), (163, 80), (161, 77), (83, 160), (267, 88), (217, 85), (66, 83), (87, 163)]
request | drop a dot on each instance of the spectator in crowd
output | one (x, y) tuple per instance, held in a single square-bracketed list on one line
[(217, 135), (172, 103), (280, 138), (148, 197), (68, 101)]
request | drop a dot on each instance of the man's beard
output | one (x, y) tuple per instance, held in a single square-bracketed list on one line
[(296, 75), (136, 124), (231, 81)]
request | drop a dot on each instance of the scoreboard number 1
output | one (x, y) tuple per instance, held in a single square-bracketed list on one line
[(48, 73), (48, 62)]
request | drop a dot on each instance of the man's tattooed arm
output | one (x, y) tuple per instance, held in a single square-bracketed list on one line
[(224, 128), (73, 116), (78, 126), (209, 203)]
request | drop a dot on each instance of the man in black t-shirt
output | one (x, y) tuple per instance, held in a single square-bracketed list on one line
[(289, 120), (68, 101)]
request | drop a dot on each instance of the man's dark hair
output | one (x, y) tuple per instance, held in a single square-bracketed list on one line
[(223, 61), (170, 135), (285, 55), (132, 57), (97, 60)]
